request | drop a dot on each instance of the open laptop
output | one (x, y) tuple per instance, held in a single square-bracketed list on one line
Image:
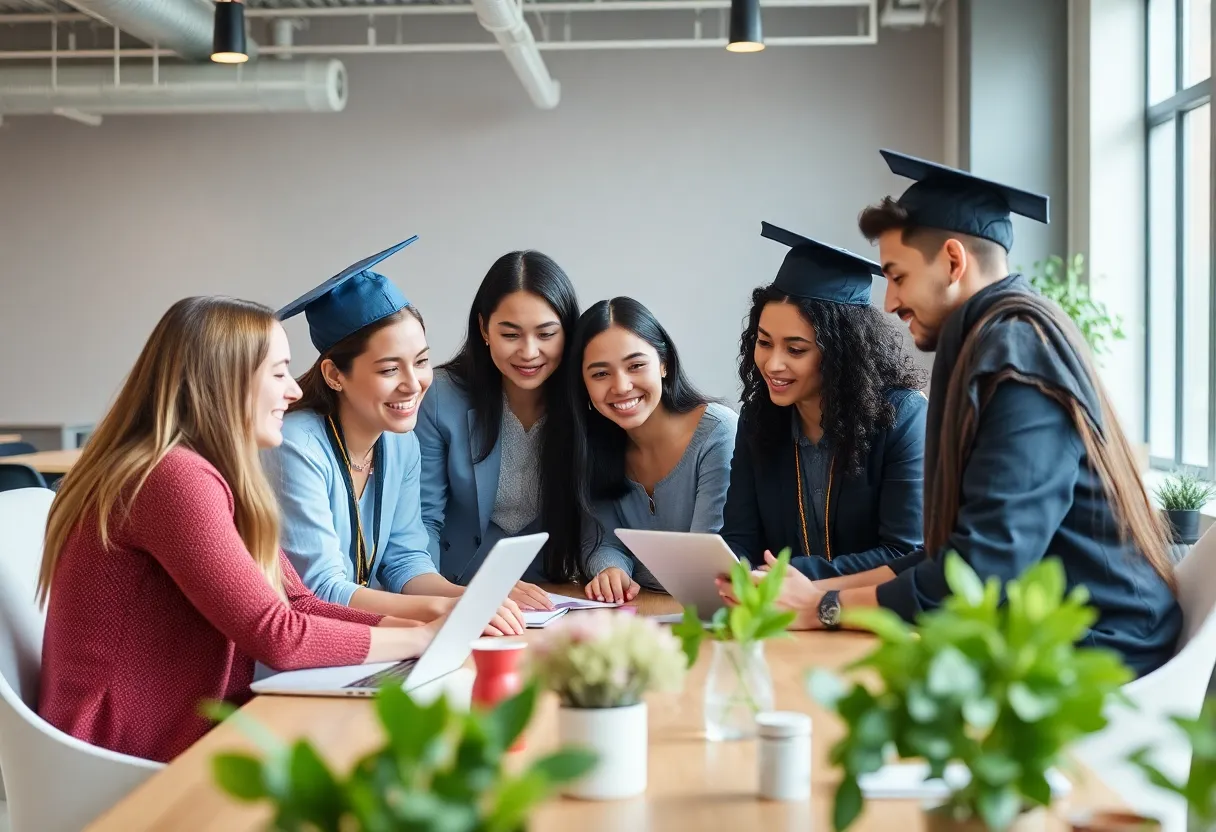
[(505, 565), (685, 563)]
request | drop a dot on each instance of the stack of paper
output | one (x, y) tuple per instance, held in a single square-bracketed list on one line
[(536, 619)]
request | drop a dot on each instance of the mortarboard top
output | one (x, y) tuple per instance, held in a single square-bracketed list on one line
[(348, 301), (954, 200), (818, 271)]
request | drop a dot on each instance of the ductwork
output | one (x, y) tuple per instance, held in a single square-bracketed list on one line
[(265, 87), (505, 20), (185, 26)]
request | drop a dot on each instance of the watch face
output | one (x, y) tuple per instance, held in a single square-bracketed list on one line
[(829, 610)]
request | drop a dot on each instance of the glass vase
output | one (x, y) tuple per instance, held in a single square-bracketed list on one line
[(738, 687)]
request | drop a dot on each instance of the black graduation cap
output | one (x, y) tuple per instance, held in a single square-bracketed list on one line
[(348, 301), (954, 200), (818, 271)]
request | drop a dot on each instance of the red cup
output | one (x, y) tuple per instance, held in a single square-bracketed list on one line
[(499, 676)]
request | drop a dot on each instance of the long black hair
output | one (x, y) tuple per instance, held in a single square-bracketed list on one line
[(862, 358), (599, 443), (474, 370)]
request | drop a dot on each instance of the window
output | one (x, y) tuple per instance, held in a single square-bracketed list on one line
[(1180, 408)]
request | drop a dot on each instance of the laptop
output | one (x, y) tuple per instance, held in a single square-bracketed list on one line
[(685, 563), (503, 566)]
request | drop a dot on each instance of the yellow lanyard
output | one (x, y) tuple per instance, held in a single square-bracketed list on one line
[(362, 567), (827, 505)]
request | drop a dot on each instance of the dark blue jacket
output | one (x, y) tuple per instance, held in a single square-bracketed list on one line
[(874, 517)]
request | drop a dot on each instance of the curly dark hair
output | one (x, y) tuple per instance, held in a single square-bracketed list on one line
[(862, 357)]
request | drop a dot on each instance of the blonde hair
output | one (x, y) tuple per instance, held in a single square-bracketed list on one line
[(192, 386)]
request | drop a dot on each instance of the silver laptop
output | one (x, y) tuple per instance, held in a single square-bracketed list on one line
[(505, 565), (685, 563)]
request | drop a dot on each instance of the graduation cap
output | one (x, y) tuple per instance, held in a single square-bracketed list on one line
[(348, 301), (954, 200), (818, 271)]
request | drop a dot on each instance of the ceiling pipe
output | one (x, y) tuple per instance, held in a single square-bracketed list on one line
[(83, 92), (505, 20), (185, 26)]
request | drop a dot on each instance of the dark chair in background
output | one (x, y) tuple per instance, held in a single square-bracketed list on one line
[(15, 448), (13, 477)]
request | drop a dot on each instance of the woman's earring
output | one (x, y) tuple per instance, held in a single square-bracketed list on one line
[(589, 407)]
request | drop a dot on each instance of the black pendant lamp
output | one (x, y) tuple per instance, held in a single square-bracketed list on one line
[(745, 34), (228, 44)]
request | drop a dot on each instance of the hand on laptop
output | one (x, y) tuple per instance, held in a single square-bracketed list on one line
[(613, 586), (530, 597)]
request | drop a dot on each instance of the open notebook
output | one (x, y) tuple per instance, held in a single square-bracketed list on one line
[(536, 619)]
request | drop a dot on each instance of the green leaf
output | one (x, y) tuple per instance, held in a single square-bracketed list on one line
[(952, 674), (409, 729), (690, 632), (566, 765), (510, 717), (825, 687), (847, 805), (719, 627), (773, 624), (515, 799), (981, 714), (742, 624), (881, 621), (742, 585), (315, 793), (1028, 705), (995, 769), (1034, 787), (962, 580), (240, 775), (998, 807), (921, 706)]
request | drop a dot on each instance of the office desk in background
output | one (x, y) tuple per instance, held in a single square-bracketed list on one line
[(57, 463)]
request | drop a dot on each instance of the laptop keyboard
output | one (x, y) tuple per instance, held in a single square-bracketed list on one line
[(397, 673)]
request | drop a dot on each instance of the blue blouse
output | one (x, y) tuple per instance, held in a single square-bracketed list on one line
[(315, 510)]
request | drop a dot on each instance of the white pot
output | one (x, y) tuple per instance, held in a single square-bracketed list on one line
[(618, 738)]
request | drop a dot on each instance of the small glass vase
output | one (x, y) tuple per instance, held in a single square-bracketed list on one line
[(738, 687)]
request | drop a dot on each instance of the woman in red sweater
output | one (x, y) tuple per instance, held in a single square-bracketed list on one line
[(162, 560)]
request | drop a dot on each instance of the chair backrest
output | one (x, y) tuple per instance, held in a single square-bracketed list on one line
[(14, 448), (14, 476), (23, 516)]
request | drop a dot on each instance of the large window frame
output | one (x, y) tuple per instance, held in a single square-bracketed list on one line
[(1175, 109)]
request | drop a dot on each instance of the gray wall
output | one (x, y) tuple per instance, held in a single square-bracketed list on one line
[(1015, 82), (650, 179)]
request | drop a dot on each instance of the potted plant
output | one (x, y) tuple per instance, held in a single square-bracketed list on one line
[(1182, 496), (439, 770), (1061, 281), (739, 684), (1199, 789), (600, 664), (996, 688)]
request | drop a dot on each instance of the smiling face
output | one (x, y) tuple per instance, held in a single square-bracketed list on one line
[(922, 290), (525, 338), (273, 390), (786, 354), (386, 382), (624, 376)]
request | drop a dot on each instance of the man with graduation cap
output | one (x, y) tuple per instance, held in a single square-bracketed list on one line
[(1025, 458), (830, 443)]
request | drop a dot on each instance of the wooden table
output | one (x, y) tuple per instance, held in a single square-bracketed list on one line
[(46, 462), (693, 784), (6, 438)]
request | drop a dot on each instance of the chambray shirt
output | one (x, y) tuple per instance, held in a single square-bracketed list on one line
[(816, 458), (315, 510)]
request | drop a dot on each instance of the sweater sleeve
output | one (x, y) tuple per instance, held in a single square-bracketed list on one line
[(302, 600), (183, 518), (713, 480)]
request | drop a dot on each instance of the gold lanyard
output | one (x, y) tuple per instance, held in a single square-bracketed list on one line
[(827, 505), (362, 567)]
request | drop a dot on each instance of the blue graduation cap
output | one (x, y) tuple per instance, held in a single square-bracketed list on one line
[(954, 200), (818, 271), (348, 301)]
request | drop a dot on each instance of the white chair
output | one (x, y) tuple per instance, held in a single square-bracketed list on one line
[(1177, 688), (54, 782)]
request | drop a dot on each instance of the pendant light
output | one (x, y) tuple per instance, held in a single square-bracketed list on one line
[(745, 33), (228, 44)]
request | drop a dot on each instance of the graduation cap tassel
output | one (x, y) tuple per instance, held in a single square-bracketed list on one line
[(745, 30)]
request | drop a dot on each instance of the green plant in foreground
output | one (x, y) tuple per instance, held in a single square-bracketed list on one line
[(1199, 789), (995, 684), (754, 619), (1060, 281), (1185, 491), (440, 770)]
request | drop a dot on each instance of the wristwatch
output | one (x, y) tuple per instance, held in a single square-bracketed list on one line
[(829, 610)]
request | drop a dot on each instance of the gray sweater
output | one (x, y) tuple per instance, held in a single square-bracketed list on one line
[(689, 499)]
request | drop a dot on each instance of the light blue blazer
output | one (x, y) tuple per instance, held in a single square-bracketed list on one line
[(315, 510), (458, 494)]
